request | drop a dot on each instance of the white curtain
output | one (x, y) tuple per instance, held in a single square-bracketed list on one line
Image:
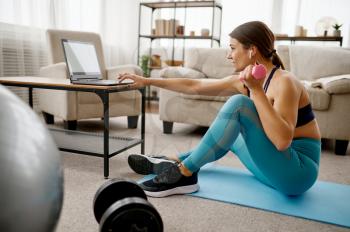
[(115, 20), (22, 40), (22, 52), (238, 12), (34, 13), (120, 30)]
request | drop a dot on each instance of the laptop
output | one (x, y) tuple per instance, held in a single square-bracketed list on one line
[(83, 66)]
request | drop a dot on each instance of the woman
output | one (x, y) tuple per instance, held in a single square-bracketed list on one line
[(270, 126)]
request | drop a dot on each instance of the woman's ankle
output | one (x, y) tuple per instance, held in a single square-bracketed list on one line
[(184, 171)]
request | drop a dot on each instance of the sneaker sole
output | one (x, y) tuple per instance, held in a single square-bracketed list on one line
[(178, 190), (147, 165)]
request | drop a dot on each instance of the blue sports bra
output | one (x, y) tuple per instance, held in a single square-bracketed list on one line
[(305, 114)]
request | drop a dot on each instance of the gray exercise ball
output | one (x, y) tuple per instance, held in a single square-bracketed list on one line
[(31, 180)]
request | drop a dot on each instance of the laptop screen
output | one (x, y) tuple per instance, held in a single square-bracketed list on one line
[(81, 59)]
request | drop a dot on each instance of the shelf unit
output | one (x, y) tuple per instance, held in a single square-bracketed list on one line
[(214, 38), (292, 39), (175, 6), (153, 6)]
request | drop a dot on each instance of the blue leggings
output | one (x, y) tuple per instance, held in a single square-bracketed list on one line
[(237, 127)]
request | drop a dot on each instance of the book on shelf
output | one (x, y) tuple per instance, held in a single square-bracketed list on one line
[(166, 27), (160, 27)]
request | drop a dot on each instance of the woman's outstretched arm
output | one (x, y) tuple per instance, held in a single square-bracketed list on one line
[(212, 87)]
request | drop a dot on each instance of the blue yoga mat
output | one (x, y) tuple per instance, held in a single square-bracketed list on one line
[(325, 202)]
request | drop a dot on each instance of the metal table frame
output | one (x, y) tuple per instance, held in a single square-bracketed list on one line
[(103, 93)]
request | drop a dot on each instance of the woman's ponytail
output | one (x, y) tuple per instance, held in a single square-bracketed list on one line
[(276, 60)]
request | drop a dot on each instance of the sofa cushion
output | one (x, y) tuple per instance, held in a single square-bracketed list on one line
[(319, 97), (181, 72), (205, 98), (210, 61), (310, 63), (335, 84)]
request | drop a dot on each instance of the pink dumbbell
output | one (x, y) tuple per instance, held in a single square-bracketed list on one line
[(259, 72)]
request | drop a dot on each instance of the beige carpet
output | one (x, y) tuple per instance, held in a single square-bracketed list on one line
[(84, 174)]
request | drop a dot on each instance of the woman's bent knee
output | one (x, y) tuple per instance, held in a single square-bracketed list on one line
[(239, 99), (236, 102)]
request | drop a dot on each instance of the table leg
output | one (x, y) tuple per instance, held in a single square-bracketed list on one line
[(30, 96), (105, 100), (143, 120)]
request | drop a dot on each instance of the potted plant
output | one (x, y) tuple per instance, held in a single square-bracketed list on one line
[(337, 31), (145, 65)]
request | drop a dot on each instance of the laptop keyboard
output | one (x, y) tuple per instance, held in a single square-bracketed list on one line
[(88, 81), (102, 82)]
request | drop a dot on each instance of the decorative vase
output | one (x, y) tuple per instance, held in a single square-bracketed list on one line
[(298, 30), (337, 33), (156, 61), (205, 32)]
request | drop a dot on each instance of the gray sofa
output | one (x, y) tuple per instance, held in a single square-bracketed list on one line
[(325, 72), (194, 109)]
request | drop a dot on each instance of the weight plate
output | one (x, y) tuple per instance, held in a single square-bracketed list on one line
[(131, 214), (112, 191)]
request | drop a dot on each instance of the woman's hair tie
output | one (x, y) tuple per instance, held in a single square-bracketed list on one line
[(272, 52)]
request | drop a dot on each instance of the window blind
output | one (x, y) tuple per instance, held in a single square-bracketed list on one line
[(23, 51)]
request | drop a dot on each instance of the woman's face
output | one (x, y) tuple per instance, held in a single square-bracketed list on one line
[(239, 55)]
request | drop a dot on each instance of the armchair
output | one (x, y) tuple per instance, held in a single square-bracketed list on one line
[(73, 106)]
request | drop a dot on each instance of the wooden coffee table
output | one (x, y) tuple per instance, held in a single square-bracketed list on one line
[(77, 141)]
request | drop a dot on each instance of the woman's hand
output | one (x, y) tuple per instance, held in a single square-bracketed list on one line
[(139, 81), (247, 78)]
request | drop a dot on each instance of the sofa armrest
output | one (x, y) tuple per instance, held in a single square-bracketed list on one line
[(335, 84), (112, 72), (58, 70), (181, 72)]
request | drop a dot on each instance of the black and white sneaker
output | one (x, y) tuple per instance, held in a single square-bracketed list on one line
[(143, 164), (170, 182)]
